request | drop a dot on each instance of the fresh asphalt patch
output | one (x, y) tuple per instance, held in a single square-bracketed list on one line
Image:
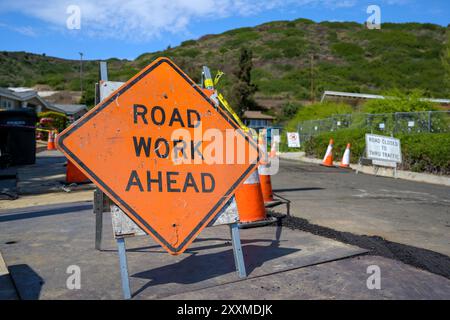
[(428, 260)]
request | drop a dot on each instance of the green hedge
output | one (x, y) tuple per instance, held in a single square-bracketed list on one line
[(426, 152), (59, 120), (422, 152)]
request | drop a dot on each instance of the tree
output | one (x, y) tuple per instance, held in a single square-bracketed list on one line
[(243, 89), (446, 62)]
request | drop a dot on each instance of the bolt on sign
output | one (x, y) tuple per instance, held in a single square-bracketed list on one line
[(165, 153)]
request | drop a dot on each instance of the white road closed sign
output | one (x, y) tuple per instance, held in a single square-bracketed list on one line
[(293, 140), (383, 148)]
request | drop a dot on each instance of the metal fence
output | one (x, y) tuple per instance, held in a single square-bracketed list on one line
[(387, 123)]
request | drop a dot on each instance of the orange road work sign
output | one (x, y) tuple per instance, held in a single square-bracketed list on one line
[(165, 153)]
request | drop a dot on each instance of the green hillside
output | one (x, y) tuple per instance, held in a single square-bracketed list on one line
[(347, 57)]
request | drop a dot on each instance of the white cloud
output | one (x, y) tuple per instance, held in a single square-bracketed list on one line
[(147, 19), (397, 2), (24, 30)]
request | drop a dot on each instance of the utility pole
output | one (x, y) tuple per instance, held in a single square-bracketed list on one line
[(313, 98), (81, 73)]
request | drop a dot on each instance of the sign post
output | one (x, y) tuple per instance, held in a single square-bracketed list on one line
[(237, 250), (123, 268), (166, 155)]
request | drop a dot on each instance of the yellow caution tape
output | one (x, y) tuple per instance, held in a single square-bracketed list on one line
[(44, 130), (217, 77), (225, 104)]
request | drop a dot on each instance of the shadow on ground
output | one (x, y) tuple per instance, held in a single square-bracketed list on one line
[(45, 212), (27, 281), (200, 267)]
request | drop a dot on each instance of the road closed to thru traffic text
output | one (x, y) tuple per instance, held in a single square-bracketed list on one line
[(383, 148)]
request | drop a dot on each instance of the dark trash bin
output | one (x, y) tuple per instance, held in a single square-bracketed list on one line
[(17, 137)]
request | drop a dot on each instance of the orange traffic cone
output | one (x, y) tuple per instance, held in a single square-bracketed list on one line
[(249, 200), (328, 158), (345, 163), (266, 182), (51, 141), (74, 175)]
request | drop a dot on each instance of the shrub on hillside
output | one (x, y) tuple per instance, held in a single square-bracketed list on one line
[(289, 110), (347, 50), (188, 43), (191, 53)]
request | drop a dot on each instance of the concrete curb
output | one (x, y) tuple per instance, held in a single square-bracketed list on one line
[(382, 172), (7, 288)]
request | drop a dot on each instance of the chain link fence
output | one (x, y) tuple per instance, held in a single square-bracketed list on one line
[(382, 123)]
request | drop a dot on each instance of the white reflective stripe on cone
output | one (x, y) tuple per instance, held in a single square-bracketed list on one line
[(330, 147), (253, 178), (346, 156), (264, 169)]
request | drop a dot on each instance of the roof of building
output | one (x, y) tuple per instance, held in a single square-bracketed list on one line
[(9, 94), (25, 95), (370, 96), (68, 109), (256, 115), (21, 95)]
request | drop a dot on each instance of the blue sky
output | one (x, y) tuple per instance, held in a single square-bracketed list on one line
[(126, 29)]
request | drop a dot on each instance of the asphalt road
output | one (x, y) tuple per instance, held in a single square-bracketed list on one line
[(416, 215), (402, 225), (39, 243)]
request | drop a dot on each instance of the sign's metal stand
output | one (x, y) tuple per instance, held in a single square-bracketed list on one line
[(237, 250), (99, 198), (124, 227), (121, 249)]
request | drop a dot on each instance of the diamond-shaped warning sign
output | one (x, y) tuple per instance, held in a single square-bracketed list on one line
[(163, 152)]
